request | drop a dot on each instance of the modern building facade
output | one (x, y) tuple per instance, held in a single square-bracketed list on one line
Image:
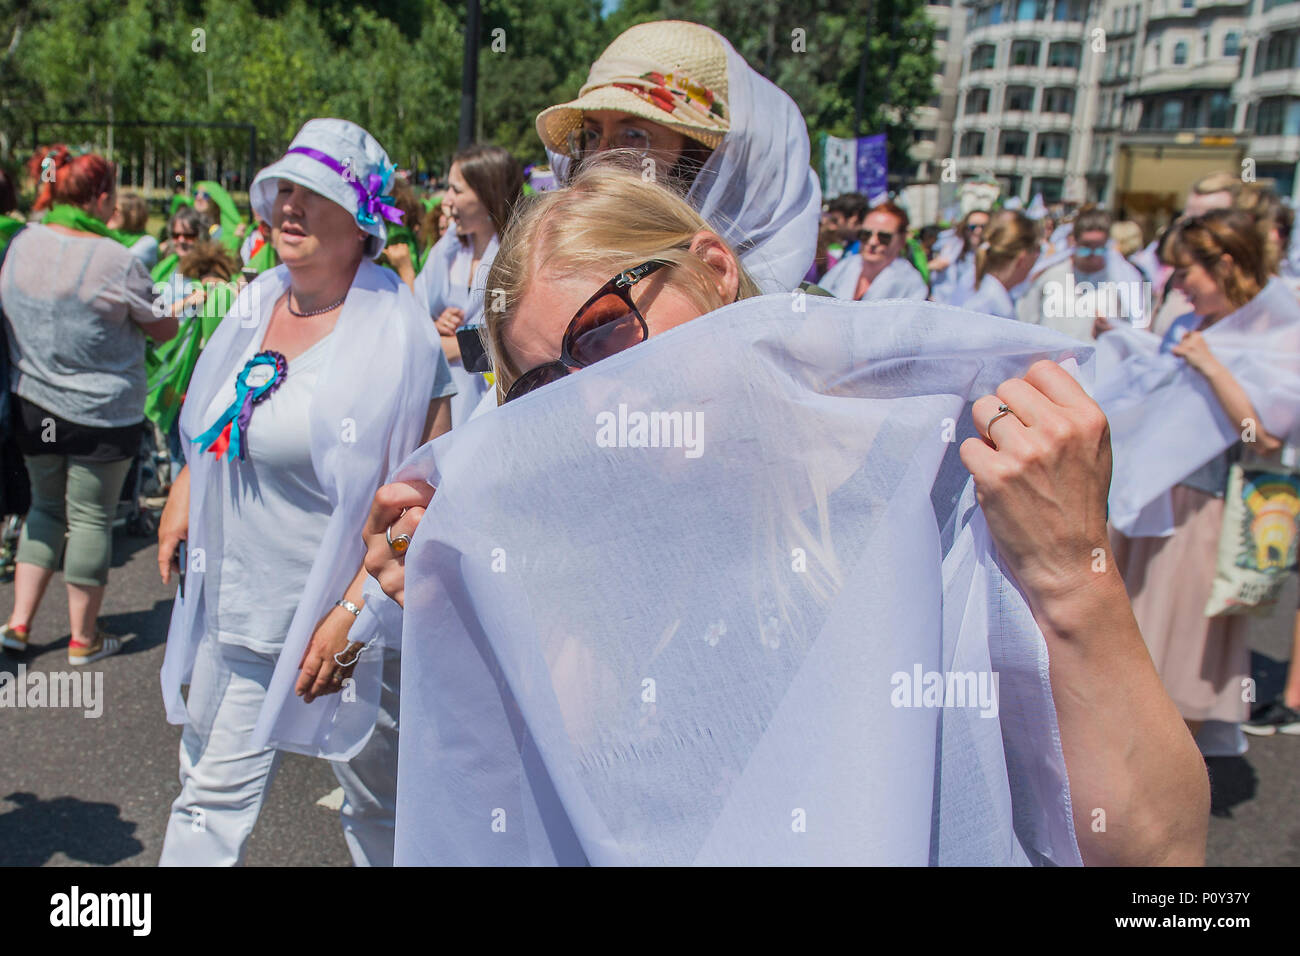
[(1126, 102)]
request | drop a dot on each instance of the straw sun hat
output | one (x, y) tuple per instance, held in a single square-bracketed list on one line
[(669, 72)]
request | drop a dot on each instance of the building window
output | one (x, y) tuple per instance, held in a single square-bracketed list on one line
[(1058, 99), (1278, 52), (1189, 4), (1014, 143), (983, 57), (977, 101), (1019, 98), (972, 144), (1220, 111), (1231, 43), (1126, 60), (1025, 53), (1052, 146), (1180, 53), (1063, 54), (1070, 11), (1268, 117), (1171, 114), (1050, 186)]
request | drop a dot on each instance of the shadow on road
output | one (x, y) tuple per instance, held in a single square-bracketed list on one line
[(1233, 781), (140, 630), (86, 832)]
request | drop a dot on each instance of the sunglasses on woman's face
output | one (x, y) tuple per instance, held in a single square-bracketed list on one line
[(608, 323), (184, 236)]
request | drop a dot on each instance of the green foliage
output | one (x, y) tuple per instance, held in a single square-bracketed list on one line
[(394, 66)]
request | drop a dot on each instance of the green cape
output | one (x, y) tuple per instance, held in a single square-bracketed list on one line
[(169, 366), (230, 219), (8, 226)]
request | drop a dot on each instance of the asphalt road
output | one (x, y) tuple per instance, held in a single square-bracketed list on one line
[(76, 791)]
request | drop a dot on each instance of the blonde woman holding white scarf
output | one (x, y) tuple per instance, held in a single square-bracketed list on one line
[(315, 384), (625, 652)]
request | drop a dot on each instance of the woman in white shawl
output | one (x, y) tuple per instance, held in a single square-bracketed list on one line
[(315, 384), (626, 262), (484, 184), (1224, 380), (952, 271), (1003, 261)]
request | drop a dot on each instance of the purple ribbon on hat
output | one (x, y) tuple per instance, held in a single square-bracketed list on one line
[(371, 204)]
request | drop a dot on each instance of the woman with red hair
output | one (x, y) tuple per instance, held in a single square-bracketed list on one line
[(77, 307)]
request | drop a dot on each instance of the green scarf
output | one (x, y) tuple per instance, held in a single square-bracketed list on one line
[(165, 267), (169, 366), (264, 258), (76, 218), (8, 226), (917, 254), (230, 219), (398, 234)]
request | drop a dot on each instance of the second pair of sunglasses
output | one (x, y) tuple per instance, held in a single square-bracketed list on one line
[(885, 237), (608, 323)]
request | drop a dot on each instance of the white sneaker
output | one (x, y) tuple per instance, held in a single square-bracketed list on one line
[(106, 645)]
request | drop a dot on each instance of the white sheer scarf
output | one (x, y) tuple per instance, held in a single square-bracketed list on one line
[(665, 655), (757, 189), (367, 413), (1165, 420)]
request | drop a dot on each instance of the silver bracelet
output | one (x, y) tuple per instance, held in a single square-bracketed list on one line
[(349, 607)]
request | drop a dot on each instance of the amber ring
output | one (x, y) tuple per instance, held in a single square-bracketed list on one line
[(399, 544)]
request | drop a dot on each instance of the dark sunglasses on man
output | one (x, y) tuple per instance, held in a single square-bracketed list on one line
[(885, 238), (608, 323)]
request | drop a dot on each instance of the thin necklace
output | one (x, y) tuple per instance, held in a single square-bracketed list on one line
[(304, 315)]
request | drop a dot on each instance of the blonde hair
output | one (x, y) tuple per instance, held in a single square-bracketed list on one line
[(1127, 236), (1007, 235), (607, 220)]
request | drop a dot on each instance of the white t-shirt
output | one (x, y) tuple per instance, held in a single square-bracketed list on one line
[(273, 514)]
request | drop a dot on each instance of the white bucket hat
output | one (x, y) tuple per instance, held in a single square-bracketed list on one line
[(342, 162)]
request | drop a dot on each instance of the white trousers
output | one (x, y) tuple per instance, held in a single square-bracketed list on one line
[(224, 778)]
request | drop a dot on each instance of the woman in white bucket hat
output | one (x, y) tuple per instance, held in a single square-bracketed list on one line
[(315, 384)]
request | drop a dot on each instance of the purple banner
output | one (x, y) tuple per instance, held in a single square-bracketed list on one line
[(873, 165)]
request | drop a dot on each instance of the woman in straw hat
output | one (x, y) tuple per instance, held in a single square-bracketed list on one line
[(679, 99), (316, 383), (695, 114)]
